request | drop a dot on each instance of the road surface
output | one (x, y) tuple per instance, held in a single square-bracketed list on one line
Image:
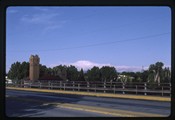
[(38, 104)]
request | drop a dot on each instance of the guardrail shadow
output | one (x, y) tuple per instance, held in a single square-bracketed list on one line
[(35, 106)]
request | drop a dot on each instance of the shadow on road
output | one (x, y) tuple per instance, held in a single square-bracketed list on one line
[(27, 106), (17, 108)]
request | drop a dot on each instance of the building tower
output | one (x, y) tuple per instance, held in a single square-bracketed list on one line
[(34, 67)]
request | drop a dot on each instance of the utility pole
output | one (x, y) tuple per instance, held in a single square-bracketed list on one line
[(142, 68)]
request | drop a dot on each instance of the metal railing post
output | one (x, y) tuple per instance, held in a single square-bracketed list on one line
[(78, 87), (64, 86), (40, 84), (48, 84), (73, 85), (95, 88), (123, 86), (60, 85), (104, 87), (114, 89), (170, 89), (145, 88), (162, 90), (88, 86), (30, 84), (51, 86)]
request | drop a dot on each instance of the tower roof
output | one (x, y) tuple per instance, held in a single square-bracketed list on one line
[(34, 56)]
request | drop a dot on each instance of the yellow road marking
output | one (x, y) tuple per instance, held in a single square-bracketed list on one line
[(108, 111), (101, 110), (140, 97)]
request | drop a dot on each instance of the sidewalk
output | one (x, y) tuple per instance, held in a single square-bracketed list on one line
[(139, 97)]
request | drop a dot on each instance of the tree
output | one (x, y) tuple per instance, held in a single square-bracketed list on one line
[(166, 77), (43, 70), (24, 70), (50, 71), (138, 77), (81, 76), (19, 71), (60, 71), (72, 73), (159, 70), (144, 76), (108, 73), (13, 72), (94, 74), (129, 76), (155, 72)]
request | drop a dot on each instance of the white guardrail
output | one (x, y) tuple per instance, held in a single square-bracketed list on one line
[(163, 89)]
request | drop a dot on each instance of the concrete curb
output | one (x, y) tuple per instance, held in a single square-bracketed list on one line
[(138, 97)]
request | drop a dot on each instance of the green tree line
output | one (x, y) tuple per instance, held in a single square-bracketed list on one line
[(156, 73)]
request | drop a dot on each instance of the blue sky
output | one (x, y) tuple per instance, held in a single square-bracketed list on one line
[(125, 37)]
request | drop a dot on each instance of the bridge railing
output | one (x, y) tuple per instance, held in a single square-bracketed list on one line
[(162, 89)]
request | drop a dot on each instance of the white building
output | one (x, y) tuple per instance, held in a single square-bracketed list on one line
[(8, 81)]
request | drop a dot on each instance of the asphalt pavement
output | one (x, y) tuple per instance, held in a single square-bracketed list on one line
[(39, 104)]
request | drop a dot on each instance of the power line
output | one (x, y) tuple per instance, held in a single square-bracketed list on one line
[(114, 26), (99, 44), (118, 26)]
